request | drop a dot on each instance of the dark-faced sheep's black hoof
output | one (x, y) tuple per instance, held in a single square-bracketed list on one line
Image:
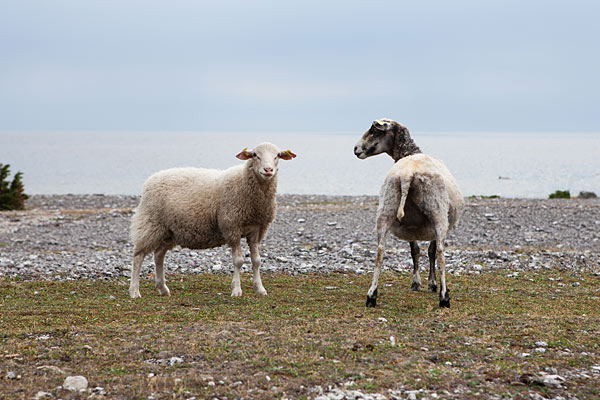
[(372, 300), (445, 301), (416, 286)]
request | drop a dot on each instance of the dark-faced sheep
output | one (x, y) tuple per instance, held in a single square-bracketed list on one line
[(419, 200), (204, 208)]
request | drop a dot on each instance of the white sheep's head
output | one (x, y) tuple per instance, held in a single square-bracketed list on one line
[(264, 158)]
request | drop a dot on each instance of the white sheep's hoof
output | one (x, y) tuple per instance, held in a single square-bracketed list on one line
[(237, 292), (164, 290), (261, 291), (134, 293)]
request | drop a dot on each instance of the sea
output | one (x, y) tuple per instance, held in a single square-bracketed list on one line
[(505, 164)]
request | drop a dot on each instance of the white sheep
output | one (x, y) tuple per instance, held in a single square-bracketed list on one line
[(419, 200), (204, 208)]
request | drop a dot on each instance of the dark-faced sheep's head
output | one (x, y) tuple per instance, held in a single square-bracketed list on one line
[(379, 138), (265, 158)]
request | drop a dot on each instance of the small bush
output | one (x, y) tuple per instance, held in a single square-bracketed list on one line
[(560, 194), (12, 195)]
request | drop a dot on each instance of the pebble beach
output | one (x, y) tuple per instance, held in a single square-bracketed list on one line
[(65, 237)]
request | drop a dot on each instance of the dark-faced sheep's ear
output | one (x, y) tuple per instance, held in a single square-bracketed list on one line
[(245, 154), (286, 155), (383, 124)]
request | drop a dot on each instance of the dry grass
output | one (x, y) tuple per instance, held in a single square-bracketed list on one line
[(311, 330)]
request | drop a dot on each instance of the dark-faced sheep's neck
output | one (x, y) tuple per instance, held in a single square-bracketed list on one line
[(403, 145)]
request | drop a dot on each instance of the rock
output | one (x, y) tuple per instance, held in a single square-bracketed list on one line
[(554, 381), (541, 343), (41, 395), (540, 350), (75, 383), (587, 195), (175, 360), (11, 375)]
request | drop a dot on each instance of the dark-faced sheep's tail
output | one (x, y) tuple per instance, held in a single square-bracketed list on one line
[(404, 188)]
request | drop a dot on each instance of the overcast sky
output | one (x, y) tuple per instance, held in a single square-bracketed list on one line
[(275, 65)]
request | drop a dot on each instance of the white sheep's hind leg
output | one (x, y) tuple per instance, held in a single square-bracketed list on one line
[(256, 281), (134, 285), (431, 281), (415, 251), (238, 261), (159, 279)]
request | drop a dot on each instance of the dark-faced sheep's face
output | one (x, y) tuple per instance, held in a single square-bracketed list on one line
[(379, 138), (265, 158)]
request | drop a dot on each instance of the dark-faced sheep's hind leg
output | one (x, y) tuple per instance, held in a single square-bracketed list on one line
[(431, 281), (372, 299), (415, 252), (441, 231), (383, 226)]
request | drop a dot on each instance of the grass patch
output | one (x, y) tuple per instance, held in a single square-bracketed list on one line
[(201, 342)]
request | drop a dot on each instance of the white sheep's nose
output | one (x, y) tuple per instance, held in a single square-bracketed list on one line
[(268, 170)]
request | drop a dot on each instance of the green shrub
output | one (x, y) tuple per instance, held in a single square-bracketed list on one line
[(12, 194), (560, 194)]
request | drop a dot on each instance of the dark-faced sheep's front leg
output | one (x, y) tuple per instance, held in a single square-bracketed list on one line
[(255, 257), (238, 261), (415, 252), (431, 281)]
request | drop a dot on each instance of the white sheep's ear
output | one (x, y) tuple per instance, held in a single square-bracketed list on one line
[(286, 155), (245, 154), (383, 124)]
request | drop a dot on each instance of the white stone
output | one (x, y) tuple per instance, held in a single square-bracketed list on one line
[(541, 343), (75, 383), (553, 381), (381, 319), (175, 360), (217, 267)]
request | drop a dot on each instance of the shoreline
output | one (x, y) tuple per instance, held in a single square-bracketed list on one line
[(86, 237)]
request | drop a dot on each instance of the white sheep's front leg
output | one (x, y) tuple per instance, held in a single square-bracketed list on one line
[(256, 281), (238, 261)]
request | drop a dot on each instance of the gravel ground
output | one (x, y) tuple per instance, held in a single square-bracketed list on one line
[(86, 236)]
